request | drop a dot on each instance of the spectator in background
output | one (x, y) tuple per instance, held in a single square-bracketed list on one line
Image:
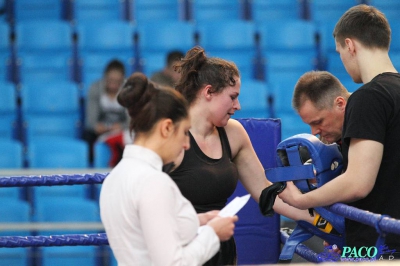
[(168, 76), (103, 112)]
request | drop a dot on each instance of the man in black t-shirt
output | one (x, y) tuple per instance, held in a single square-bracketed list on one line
[(371, 129)]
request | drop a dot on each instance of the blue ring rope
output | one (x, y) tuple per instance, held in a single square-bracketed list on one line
[(52, 180), (385, 224), (54, 240)]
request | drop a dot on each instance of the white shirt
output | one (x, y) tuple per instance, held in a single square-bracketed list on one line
[(146, 218)]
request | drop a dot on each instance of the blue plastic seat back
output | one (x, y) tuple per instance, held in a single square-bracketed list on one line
[(232, 40), (69, 255), (14, 256), (67, 210), (61, 153), (51, 126), (43, 36), (321, 10), (91, 36), (162, 36), (5, 51), (253, 99), (157, 38), (205, 11), (144, 10), (66, 192), (50, 67), (50, 98), (5, 41), (14, 211), (105, 10), (391, 9), (38, 9), (11, 154), (287, 35), (102, 155), (8, 110), (267, 10)]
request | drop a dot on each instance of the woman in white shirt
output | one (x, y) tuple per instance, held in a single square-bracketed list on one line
[(146, 218)]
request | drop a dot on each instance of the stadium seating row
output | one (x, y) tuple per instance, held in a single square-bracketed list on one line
[(194, 10)]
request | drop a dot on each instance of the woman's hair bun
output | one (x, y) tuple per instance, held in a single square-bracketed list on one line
[(136, 93)]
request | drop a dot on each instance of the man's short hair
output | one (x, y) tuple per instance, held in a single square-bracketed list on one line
[(366, 24)]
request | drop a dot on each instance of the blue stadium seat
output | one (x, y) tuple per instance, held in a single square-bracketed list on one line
[(8, 110), (144, 10), (395, 27), (391, 9), (288, 65), (232, 40), (38, 9), (14, 211), (157, 38), (58, 153), (69, 255), (36, 68), (5, 52), (61, 209), (322, 10), (50, 126), (105, 10), (54, 113), (267, 10), (43, 47), (207, 11), (282, 92), (40, 194), (395, 57), (14, 256), (102, 155), (72, 210), (11, 156), (349, 84), (92, 45), (288, 46), (335, 66), (14, 193), (326, 45), (292, 124), (253, 99)]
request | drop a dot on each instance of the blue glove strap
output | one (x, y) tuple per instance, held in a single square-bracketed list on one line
[(290, 173), (298, 236)]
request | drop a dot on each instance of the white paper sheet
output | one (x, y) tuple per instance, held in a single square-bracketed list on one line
[(234, 206)]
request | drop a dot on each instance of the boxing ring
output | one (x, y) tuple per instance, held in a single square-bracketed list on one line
[(258, 238)]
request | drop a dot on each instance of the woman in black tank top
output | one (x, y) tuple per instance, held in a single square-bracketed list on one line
[(221, 152), (208, 183)]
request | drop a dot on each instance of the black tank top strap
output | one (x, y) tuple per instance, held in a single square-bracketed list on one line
[(226, 148)]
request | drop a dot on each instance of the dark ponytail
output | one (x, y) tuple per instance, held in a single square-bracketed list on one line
[(147, 104), (197, 70)]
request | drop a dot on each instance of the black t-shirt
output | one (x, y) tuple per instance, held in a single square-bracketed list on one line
[(373, 113)]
